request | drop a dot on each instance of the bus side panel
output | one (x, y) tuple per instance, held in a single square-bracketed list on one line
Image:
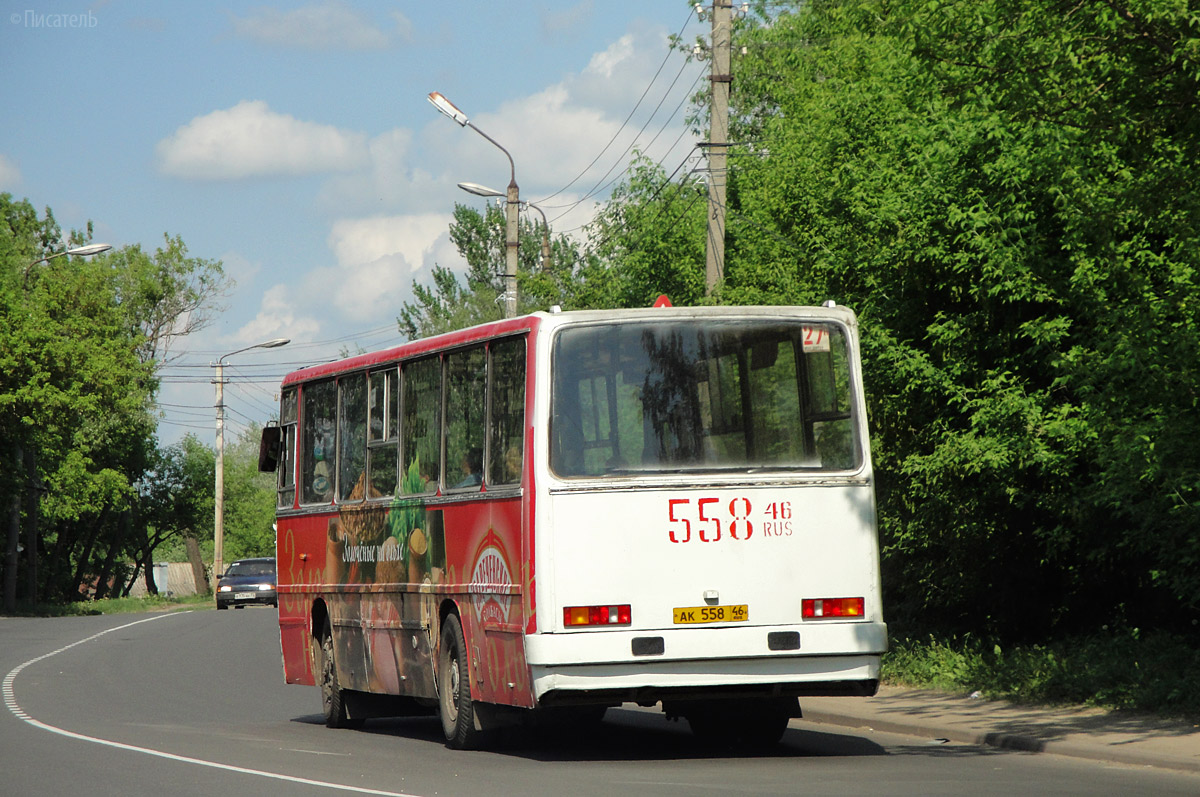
[(483, 550), (383, 597), (379, 599), (298, 566)]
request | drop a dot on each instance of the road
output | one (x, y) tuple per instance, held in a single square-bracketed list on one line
[(194, 704)]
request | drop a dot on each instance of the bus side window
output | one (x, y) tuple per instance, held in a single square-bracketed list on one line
[(382, 451), (286, 469), (507, 406), (421, 426), (466, 397), (352, 437), (319, 400)]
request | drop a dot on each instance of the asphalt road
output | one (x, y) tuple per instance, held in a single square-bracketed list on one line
[(195, 704)]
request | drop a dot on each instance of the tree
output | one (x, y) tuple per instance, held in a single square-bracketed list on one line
[(481, 239), (1002, 198), (647, 240), (167, 295), (72, 392), (82, 340), (175, 498), (249, 499)]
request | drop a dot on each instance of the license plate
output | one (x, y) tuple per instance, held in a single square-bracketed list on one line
[(243, 596), (694, 615)]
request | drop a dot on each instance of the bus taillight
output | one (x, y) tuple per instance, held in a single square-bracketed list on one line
[(831, 608), (597, 615)]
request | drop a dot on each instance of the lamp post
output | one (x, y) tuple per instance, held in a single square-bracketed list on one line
[(219, 492), (512, 196), (79, 251), (28, 458), (484, 191)]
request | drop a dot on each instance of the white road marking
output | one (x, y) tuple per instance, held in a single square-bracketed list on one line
[(10, 700)]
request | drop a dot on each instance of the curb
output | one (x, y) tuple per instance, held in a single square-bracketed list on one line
[(1025, 743)]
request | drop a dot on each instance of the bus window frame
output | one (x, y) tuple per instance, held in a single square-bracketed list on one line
[(852, 412), (390, 436), (289, 425)]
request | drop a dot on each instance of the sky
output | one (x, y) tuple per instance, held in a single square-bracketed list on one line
[(294, 142)]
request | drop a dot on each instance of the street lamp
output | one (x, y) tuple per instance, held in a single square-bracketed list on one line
[(512, 196), (79, 251), (484, 191), (219, 493)]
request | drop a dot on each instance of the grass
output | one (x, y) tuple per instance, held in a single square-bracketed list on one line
[(150, 603), (1154, 672)]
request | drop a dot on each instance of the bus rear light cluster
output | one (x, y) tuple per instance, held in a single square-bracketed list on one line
[(831, 608), (574, 616)]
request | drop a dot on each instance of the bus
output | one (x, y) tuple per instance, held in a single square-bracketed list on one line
[(551, 515)]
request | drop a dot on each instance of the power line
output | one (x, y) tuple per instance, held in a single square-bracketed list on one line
[(637, 105), (600, 184)]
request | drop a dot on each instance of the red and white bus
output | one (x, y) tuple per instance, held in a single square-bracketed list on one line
[(558, 513)]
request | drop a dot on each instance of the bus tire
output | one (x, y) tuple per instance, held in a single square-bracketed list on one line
[(333, 701), (454, 689)]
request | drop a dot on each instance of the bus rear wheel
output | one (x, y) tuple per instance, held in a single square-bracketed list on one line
[(333, 699), (454, 688)]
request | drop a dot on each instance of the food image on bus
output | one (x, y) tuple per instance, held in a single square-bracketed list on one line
[(552, 515)]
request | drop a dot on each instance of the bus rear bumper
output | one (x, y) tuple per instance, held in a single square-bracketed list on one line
[(647, 683), (648, 666)]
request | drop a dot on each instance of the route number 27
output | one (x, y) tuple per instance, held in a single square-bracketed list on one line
[(708, 519)]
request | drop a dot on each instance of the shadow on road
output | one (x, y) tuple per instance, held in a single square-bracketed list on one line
[(624, 735)]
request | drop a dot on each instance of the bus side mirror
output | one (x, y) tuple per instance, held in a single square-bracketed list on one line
[(268, 449)]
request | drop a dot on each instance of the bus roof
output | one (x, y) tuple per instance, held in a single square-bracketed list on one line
[(533, 321)]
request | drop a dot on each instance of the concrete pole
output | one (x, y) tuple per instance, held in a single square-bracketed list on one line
[(219, 490), (722, 31), (512, 249)]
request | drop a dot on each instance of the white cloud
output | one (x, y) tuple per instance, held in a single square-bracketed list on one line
[(579, 129), (277, 317), (250, 140), (389, 181), (10, 175), (320, 26), (377, 258), (606, 62), (382, 234)]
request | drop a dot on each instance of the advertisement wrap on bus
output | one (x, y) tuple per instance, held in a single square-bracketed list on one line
[(552, 515)]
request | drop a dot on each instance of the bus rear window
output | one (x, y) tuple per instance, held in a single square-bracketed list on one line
[(673, 396)]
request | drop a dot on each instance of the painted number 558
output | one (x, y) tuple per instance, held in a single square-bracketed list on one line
[(708, 519)]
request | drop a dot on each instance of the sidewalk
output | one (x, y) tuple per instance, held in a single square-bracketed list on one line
[(1082, 733)]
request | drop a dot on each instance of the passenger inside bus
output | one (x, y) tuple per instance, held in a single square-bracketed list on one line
[(472, 464)]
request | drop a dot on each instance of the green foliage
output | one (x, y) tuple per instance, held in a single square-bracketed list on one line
[(82, 339), (176, 493), (166, 295), (648, 240), (249, 500), (480, 238), (148, 603), (1109, 669), (1002, 197)]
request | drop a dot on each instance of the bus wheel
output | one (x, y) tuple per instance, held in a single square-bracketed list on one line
[(333, 702), (454, 689)]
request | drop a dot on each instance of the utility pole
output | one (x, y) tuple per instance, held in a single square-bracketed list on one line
[(718, 139), (512, 246), (219, 487)]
